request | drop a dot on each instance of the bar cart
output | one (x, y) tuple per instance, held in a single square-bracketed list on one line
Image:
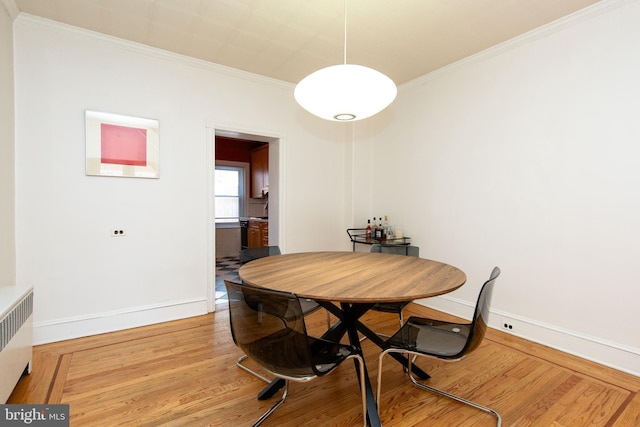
[(359, 236)]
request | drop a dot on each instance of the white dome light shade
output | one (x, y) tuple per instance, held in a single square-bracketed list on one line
[(345, 92)]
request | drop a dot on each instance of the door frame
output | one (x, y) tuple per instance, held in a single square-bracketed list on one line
[(277, 145)]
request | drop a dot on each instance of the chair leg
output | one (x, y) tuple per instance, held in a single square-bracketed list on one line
[(379, 380), (454, 397), (426, 387), (274, 407), (363, 391), (360, 371), (267, 380), (251, 371)]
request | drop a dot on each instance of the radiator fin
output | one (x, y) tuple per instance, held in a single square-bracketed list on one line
[(13, 321)]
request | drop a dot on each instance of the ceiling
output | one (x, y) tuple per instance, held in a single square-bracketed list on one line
[(288, 39)]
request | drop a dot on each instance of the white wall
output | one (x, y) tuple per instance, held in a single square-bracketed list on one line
[(86, 281), (526, 157), (7, 152), (522, 157)]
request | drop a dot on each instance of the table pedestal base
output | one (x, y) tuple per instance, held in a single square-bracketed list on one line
[(348, 323)]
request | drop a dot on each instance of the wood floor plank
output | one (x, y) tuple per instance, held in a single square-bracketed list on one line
[(56, 388), (630, 415), (35, 387), (183, 373)]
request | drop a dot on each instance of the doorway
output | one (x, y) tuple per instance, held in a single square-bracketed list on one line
[(225, 240)]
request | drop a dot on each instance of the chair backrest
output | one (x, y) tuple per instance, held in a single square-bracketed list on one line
[(399, 250), (250, 254), (269, 327), (481, 313)]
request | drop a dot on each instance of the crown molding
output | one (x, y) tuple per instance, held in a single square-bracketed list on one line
[(142, 49), (590, 12)]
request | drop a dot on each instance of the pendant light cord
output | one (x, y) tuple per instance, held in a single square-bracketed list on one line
[(345, 32)]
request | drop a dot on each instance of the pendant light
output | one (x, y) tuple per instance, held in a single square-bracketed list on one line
[(345, 92)]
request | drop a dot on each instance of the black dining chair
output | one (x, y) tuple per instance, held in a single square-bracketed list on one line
[(442, 340), (308, 305), (269, 327), (246, 255), (394, 307), (249, 254)]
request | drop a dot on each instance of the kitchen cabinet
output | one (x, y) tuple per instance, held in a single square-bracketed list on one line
[(260, 172), (264, 233), (258, 234)]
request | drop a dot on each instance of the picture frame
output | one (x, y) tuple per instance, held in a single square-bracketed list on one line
[(121, 146)]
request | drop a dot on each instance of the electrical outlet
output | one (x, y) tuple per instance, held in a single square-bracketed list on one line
[(507, 326), (117, 232)]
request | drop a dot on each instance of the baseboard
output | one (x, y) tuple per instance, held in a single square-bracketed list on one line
[(618, 356), (82, 326)]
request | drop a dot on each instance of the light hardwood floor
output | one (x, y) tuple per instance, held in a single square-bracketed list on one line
[(183, 373)]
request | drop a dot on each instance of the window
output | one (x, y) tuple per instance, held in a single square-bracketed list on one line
[(229, 193)]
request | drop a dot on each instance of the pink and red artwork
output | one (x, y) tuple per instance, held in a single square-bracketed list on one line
[(118, 145), (122, 145)]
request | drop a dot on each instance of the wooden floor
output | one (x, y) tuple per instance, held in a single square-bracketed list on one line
[(183, 373)]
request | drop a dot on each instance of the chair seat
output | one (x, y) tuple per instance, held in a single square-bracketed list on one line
[(431, 337), (309, 305), (292, 360), (391, 307)]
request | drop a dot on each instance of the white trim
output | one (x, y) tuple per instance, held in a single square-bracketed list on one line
[(115, 320), (278, 184), (275, 139), (240, 131), (211, 215), (142, 49), (590, 12), (596, 349)]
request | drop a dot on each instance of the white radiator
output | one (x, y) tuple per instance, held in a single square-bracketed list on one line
[(16, 336)]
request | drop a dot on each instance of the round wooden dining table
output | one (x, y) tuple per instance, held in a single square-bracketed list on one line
[(355, 280), (353, 277)]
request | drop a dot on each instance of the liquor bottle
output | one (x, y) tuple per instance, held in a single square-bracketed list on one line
[(374, 229), (385, 228), (368, 231), (379, 230)]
